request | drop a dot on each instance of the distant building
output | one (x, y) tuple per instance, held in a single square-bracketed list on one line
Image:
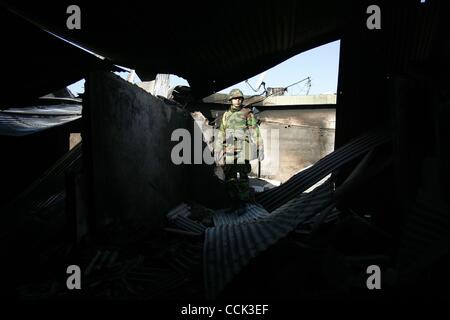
[(276, 91)]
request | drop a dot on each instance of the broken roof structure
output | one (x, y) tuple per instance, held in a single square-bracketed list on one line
[(29, 120), (213, 58), (143, 227)]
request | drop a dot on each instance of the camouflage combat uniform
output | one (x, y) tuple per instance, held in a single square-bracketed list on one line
[(240, 138)]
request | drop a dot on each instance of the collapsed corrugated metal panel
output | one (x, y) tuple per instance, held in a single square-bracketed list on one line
[(422, 22), (46, 192), (331, 215), (181, 210), (35, 226), (37, 62), (274, 198), (252, 212), (53, 200), (179, 217), (111, 274), (157, 283), (216, 53), (229, 247), (187, 258), (29, 120), (63, 109), (189, 225), (150, 278)]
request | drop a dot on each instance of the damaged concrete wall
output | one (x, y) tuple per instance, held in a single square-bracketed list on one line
[(133, 177), (305, 136)]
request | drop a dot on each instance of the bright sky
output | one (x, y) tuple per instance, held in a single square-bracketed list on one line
[(321, 64)]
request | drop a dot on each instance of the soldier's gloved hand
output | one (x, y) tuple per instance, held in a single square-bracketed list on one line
[(218, 171), (229, 149), (219, 158)]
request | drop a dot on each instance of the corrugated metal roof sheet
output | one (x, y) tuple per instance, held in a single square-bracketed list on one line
[(157, 282), (36, 62), (181, 210), (47, 110), (187, 258), (215, 52), (136, 277), (252, 212), (229, 247), (275, 197), (179, 217), (188, 224), (46, 192), (25, 121), (421, 21)]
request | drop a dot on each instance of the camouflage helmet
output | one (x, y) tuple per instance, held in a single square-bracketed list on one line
[(235, 93)]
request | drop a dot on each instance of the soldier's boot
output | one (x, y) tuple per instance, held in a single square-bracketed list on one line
[(244, 190), (235, 205), (233, 192), (242, 208)]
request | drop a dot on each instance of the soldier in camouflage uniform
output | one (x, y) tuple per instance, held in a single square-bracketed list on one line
[(238, 141)]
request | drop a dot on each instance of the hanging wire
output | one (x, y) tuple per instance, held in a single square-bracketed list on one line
[(264, 95), (305, 88), (263, 84), (265, 92)]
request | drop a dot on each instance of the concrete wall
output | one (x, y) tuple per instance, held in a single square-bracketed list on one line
[(306, 133), (133, 177), (317, 99), (305, 136), (74, 139)]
